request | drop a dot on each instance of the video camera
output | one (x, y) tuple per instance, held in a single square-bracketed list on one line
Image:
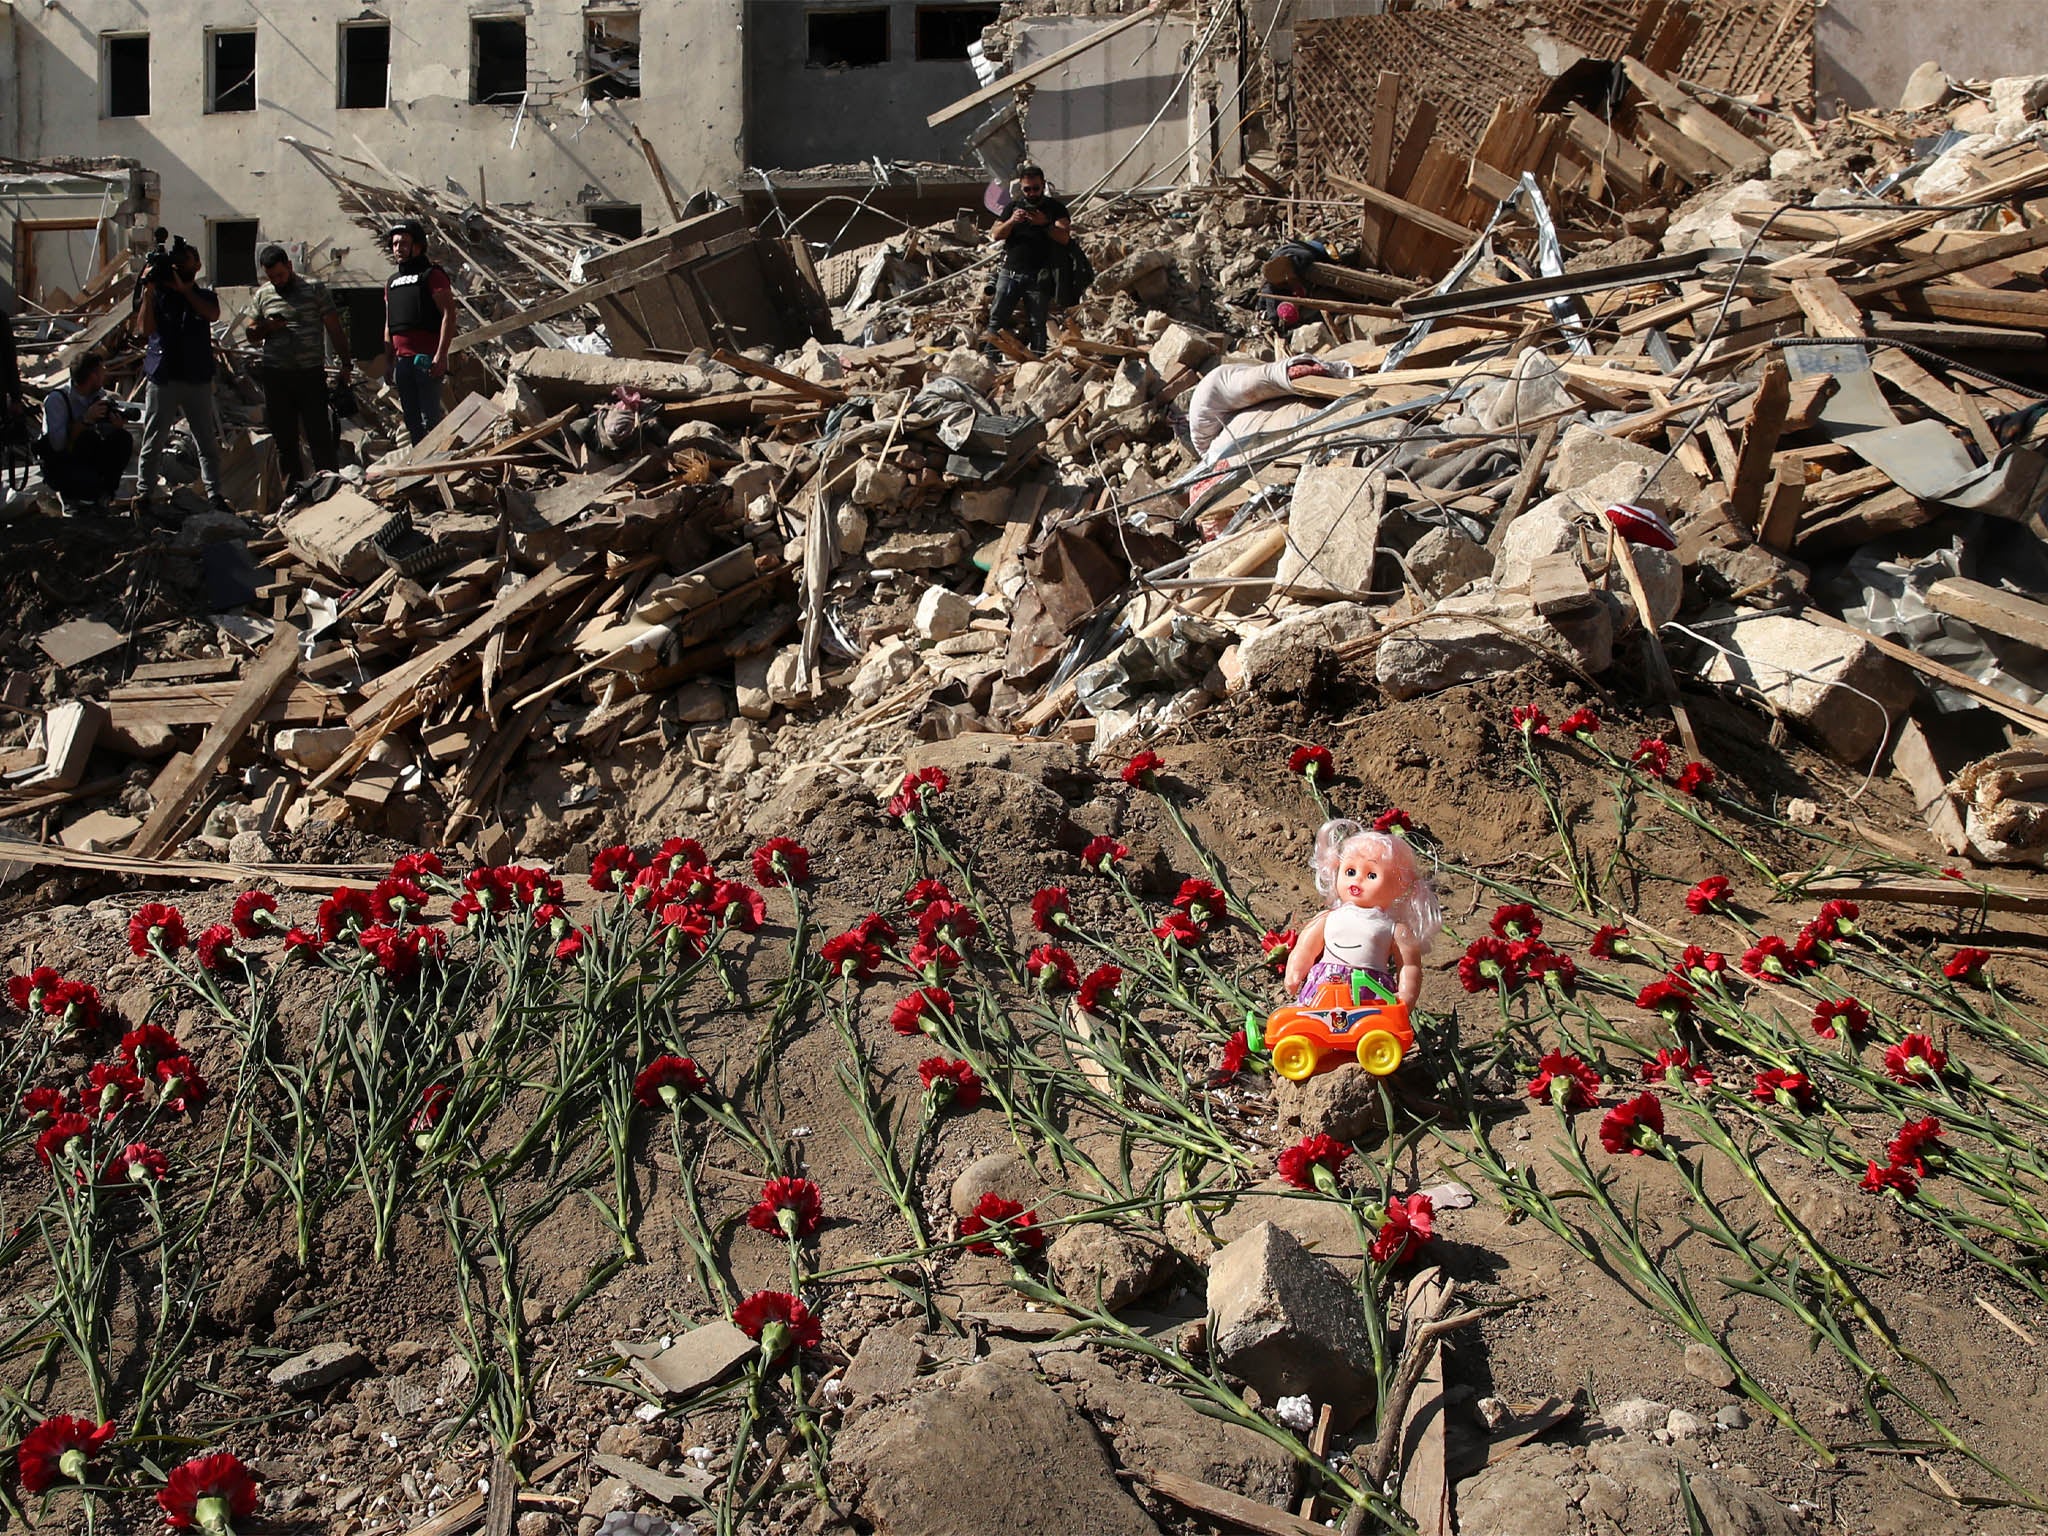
[(160, 265)]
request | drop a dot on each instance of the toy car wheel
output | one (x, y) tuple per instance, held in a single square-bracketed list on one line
[(1295, 1059), (1379, 1052)]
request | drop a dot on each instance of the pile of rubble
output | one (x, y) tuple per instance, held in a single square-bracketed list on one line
[(1786, 455)]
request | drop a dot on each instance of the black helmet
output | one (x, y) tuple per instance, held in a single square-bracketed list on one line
[(412, 227)]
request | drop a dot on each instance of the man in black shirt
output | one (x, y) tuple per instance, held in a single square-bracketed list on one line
[(1031, 229)]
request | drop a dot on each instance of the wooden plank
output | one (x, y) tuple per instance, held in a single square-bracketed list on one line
[(1525, 484), (1944, 402), (269, 673), (1987, 607), (174, 671), (1379, 154), (1231, 1508), (1968, 894), (788, 381), (1415, 214), (1888, 512), (1913, 760), (1830, 312), (2005, 187), (560, 304), (1780, 525), (1688, 160), (1010, 82), (1623, 163), (2033, 719), (1695, 121), (1759, 442)]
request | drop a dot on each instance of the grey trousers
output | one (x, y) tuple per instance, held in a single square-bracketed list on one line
[(163, 402)]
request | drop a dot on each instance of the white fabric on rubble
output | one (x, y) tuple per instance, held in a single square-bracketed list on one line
[(1225, 391)]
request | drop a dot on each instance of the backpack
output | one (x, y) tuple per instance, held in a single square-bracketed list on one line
[(1073, 274)]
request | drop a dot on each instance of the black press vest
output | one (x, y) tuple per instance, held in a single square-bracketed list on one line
[(408, 301)]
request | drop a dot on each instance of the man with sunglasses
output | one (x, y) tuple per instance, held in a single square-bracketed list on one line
[(294, 319), (1031, 229)]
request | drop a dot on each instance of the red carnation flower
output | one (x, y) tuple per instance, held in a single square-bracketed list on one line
[(1203, 902), (25, 992), (1965, 965), (850, 955), (156, 926), (1654, 755), (1101, 853), (1489, 964), (1847, 1012), (1566, 1082), (1702, 965), (1915, 1058), (1610, 942), (1877, 1180), (792, 1207), (216, 943), (137, 1163), (64, 1134), (255, 913), (1312, 763), (74, 1007), (301, 941), (210, 1493), (738, 906), (1580, 722), (1516, 920), (934, 962), (1777, 1086), (1840, 916), (1916, 1138), (147, 1044), (1177, 928), (613, 868), (1099, 986), (1277, 946), (1300, 1162), (916, 789), (920, 1012), (665, 1081), (874, 928), (1139, 771), (779, 1321), (949, 1082), (1695, 779), (1013, 1226), (1771, 959), (1052, 968), (420, 865), (434, 1102), (1394, 820), (926, 891), (1676, 1068), (1409, 1225), (115, 1086), (1547, 967), (58, 1449), (346, 908), (398, 899), (1530, 720), (948, 922), (1669, 996), (1050, 909), (1710, 895), (1235, 1050), (1634, 1126), (675, 852), (780, 859), (41, 1106), (179, 1085)]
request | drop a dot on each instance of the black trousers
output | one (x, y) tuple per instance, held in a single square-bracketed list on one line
[(91, 468), (295, 400), (1032, 290)]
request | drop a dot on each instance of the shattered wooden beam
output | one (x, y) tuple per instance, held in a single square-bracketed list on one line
[(562, 303), (1400, 207), (1969, 894), (1987, 607), (1051, 61)]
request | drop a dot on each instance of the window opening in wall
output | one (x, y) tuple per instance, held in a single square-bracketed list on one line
[(621, 219), (363, 313), (234, 254), (231, 71), (611, 53), (366, 64), (127, 75), (498, 61), (847, 39), (947, 31)]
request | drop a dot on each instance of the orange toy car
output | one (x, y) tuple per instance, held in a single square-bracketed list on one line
[(1348, 1018)]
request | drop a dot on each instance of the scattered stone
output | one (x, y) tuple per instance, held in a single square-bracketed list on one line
[(1047, 390), (311, 748), (1731, 1416), (1708, 1366), (1344, 1103), (887, 1362), (1445, 559), (696, 1360), (998, 1173), (920, 551), (878, 483), (985, 506), (1333, 528), (1179, 347), (1928, 86), (971, 367), (993, 1450), (1135, 273), (1684, 1426), (885, 668), (1092, 1260), (320, 1366), (1637, 1415), (942, 613), (1441, 652), (1584, 454), (1282, 654), (635, 1441), (750, 686), (1806, 673), (1288, 1323)]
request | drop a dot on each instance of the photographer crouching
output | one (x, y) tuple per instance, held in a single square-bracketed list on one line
[(1032, 229), (84, 449), (177, 315)]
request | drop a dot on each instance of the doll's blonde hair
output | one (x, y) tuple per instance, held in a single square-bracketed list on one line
[(1415, 909)]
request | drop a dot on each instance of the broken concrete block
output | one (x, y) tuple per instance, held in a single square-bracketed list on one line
[(697, 702), (1047, 390), (750, 687), (1312, 337), (2018, 96), (560, 377), (1133, 273), (1333, 528), (1560, 526), (850, 528), (99, 831), (320, 1366), (878, 483), (920, 551), (971, 367), (1442, 652), (1534, 390), (942, 613), (1290, 1324), (697, 1359), (1096, 1263), (1282, 652), (1806, 672), (816, 364), (886, 1362), (1928, 86), (1445, 559), (1179, 347), (886, 667), (1128, 387), (984, 506), (1584, 454), (782, 684), (312, 748), (335, 536)]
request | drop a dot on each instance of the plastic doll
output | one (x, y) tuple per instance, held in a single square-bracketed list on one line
[(1382, 909)]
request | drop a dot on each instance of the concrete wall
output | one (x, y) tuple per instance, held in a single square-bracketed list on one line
[(234, 165), (1863, 50), (801, 116), (1088, 112)]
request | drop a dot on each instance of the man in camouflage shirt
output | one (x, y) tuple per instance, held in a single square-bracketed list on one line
[(294, 318)]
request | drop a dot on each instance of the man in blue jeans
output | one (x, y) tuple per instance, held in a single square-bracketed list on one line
[(419, 320), (177, 315), (1031, 228)]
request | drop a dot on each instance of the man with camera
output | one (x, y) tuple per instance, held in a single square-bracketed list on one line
[(295, 318), (177, 315), (84, 449), (1032, 228), (419, 320)]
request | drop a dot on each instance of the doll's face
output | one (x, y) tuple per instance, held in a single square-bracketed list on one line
[(1364, 880)]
